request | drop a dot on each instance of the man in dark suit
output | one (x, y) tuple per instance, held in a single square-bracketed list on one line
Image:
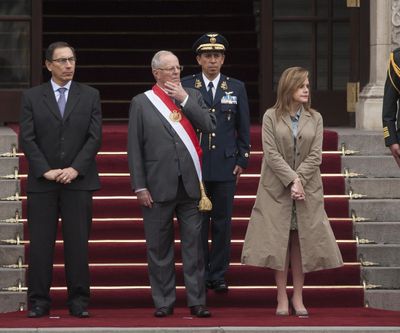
[(60, 134), (390, 115), (225, 151), (164, 161)]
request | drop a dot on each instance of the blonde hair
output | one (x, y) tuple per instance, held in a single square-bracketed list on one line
[(291, 79)]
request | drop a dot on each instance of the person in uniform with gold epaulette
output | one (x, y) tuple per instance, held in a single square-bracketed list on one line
[(390, 116), (225, 152)]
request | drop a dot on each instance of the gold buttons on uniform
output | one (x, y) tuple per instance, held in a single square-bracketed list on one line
[(246, 155), (212, 110), (212, 134), (213, 147)]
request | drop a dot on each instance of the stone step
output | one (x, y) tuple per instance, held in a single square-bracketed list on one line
[(379, 232), (8, 165), (8, 187), (10, 230), (386, 255), (386, 277), (12, 301), (376, 209), (8, 209), (372, 166), (383, 299), (9, 254), (10, 277), (364, 141), (8, 138), (375, 188)]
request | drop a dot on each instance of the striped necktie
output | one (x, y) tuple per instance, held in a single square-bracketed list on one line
[(210, 91)]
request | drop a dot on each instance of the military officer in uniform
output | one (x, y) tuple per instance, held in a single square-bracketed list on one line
[(225, 151), (391, 121)]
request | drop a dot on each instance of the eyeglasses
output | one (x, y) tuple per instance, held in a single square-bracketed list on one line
[(171, 69), (63, 61)]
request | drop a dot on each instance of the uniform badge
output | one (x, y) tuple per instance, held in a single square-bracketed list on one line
[(229, 98), (385, 132), (224, 85), (175, 116), (197, 84), (213, 40)]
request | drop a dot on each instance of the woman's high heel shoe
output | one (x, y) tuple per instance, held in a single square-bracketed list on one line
[(282, 313), (298, 313)]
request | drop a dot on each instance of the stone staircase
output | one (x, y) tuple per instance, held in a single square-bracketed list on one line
[(379, 236), (9, 228)]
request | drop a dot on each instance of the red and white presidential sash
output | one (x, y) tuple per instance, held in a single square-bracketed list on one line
[(179, 123)]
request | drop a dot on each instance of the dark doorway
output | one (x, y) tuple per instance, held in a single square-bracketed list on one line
[(328, 38)]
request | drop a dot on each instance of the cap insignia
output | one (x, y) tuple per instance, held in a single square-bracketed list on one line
[(213, 40)]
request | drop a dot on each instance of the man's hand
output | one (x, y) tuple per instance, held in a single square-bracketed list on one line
[(395, 150), (67, 175), (144, 198), (297, 190), (175, 90), (52, 174), (237, 171)]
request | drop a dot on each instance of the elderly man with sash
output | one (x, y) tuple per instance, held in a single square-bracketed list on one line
[(390, 115), (165, 166)]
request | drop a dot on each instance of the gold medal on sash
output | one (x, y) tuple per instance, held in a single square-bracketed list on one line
[(175, 116)]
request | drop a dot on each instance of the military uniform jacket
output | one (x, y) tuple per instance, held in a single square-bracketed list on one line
[(390, 118), (229, 145)]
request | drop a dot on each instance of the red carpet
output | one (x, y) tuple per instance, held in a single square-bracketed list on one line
[(121, 229), (120, 293), (236, 317)]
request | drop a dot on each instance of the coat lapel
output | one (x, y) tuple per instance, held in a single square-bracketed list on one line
[(164, 121), (288, 122), (304, 118), (203, 90), (219, 91), (50, 100), (73, 98)]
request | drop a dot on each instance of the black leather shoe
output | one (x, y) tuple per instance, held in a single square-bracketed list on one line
[(220, 287), (80, 313), (200, 311), (163, 312), (37, 312), (209, 284)]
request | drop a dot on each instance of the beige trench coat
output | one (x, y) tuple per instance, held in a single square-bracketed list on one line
[(268, 231)]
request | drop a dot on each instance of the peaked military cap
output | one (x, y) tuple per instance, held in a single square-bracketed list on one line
[(210, 41)]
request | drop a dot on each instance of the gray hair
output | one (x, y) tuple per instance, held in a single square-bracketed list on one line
[(156, 62)]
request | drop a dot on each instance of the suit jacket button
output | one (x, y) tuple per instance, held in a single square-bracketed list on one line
[(212, 110), (213, 147), (212, 134)]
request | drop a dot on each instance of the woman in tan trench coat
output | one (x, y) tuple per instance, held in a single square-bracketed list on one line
[(288, 222)]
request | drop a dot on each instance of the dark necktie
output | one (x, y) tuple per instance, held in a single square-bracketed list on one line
[(61, 100), (210, 92)]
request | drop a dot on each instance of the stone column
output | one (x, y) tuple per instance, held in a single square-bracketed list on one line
[(385, 28)]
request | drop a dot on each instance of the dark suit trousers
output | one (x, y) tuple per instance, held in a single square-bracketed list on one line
[(217, 255), (159, 232), (75, 210)]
